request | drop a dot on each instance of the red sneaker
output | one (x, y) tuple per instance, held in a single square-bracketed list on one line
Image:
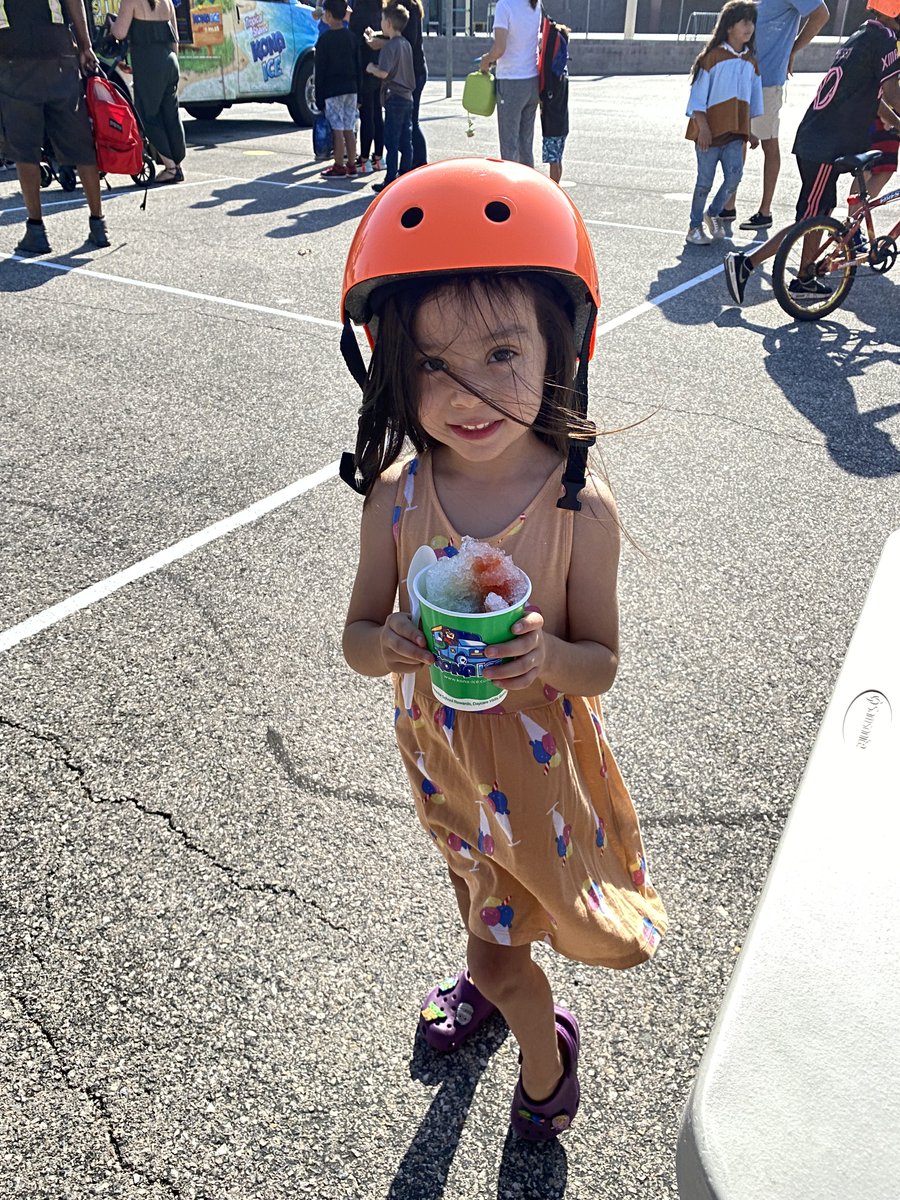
[(334, 171), (350, 169)]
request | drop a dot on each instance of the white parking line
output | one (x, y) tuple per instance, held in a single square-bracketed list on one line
[(649, 305), (50, 265), (98, 591)]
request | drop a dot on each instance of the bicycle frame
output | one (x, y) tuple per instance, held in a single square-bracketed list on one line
[(864, 215)]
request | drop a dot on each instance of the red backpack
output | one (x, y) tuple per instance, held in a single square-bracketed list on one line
[(120, 149)]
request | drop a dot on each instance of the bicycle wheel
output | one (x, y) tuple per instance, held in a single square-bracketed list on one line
[(832, 269)]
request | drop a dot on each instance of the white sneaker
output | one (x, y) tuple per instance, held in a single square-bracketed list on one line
[(715, 226), (363, 166), (697, 236)]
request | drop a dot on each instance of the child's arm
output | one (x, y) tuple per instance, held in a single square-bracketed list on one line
[(704, 133), (376, 71), (378, 640), (698, 102), (585, 663)]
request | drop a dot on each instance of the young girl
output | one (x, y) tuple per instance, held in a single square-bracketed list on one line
[(477, 284), (726, 91)]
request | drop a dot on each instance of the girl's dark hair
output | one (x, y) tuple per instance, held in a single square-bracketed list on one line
[(390, 409), (734, 11)]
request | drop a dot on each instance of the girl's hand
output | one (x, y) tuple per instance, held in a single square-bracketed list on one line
[(403, 645), (527, 653)]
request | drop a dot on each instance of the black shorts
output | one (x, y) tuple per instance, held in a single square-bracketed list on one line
[(42, 100), (818, 193)]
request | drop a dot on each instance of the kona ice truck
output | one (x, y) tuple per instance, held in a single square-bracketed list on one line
[(232, 51)]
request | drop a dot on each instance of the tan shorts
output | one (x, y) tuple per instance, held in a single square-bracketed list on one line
[(766, 126)]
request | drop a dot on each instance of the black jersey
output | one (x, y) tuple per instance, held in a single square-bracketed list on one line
[(34, 29), (840, 117)]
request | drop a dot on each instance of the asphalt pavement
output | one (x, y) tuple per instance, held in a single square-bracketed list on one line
[(217, 910)]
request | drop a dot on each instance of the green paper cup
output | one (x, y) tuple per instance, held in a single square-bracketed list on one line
[(457, 641)]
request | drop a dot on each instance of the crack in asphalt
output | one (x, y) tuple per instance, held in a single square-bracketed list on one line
[(232, 873), (98, 1101), (317, 787)]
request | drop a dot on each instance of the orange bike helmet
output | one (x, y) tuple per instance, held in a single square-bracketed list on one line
[(472, 214), (887, 8)]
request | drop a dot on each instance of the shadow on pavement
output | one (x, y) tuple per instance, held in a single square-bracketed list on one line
[(692, 261), (812, 365), (293, 188), (532, 1170), (423, 1171)]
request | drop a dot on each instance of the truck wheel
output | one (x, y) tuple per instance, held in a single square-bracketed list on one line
[(203, 112), (301, 103)]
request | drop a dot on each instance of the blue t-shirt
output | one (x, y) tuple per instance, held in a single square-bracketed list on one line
[(777, 25)]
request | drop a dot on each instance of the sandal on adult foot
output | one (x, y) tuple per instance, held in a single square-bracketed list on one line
[(452, 1011), (547, 1120)]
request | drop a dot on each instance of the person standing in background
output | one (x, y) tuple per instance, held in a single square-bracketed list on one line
[(779, 39), (41, 97), (413, 34), (338, 82), (366, 14), (151, 27), (395, 70), (517, 25)]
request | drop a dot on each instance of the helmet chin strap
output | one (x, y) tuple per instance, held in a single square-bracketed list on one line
[(573, 479), (357, 368), (576, 463)]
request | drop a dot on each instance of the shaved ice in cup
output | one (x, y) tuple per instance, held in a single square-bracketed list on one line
[(469, 601)]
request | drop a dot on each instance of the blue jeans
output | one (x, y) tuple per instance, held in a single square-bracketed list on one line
[(397, 136), (731, 156)]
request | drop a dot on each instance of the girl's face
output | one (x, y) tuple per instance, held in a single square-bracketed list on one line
[(741, 33), (500, 350)]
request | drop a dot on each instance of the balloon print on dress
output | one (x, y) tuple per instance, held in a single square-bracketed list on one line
[(563, 834), (543, 744), (430, 791), (407, 688), (499, 806), (445, 718), (593, 894), (638, 869), (497, 915), (485, 838), (443, 546), (461, 847), (602, 737), (601, 832), (650, 933)]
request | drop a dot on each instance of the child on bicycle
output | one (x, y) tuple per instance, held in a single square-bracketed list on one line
[(865, 70), (726, 92)]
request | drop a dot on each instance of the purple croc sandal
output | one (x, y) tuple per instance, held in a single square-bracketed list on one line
[(547, 1120), (452, 1011)]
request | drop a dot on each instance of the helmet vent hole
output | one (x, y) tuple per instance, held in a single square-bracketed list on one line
[(497, 211), (411, 218)]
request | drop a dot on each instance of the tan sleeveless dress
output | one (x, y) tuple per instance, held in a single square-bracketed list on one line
[(525, 801)]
